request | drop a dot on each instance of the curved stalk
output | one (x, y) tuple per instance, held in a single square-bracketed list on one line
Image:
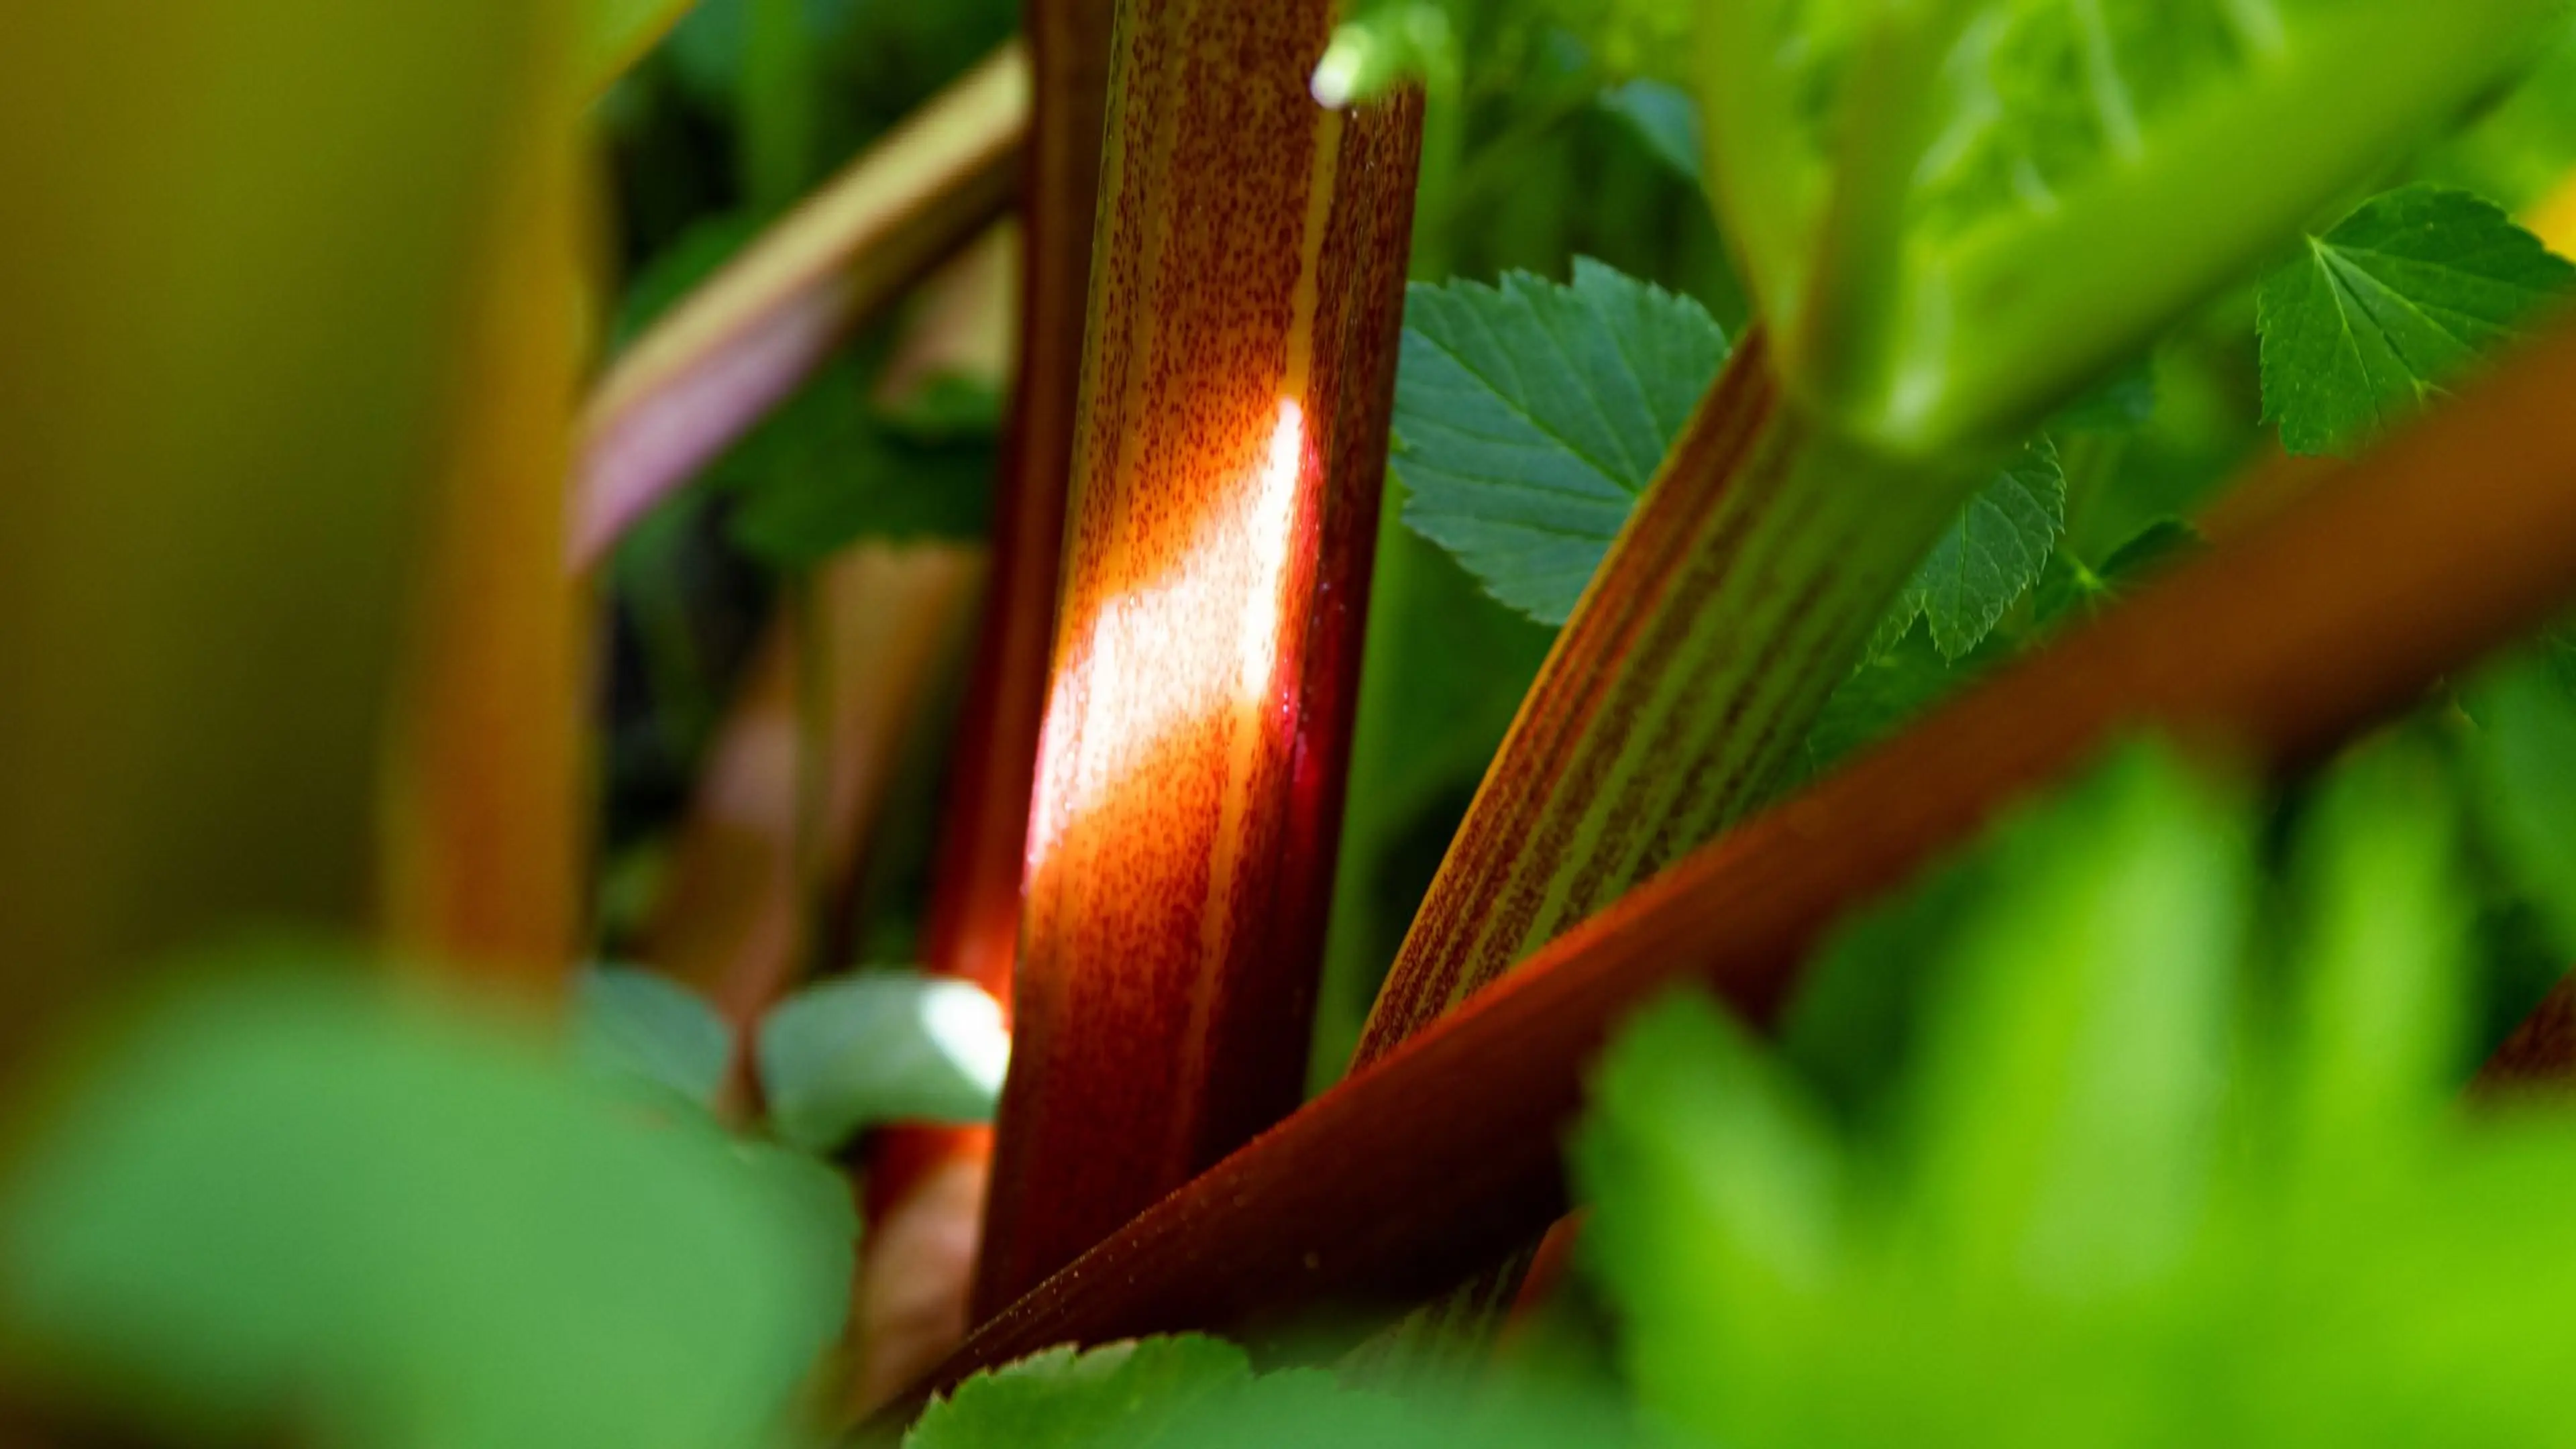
[(733, 349)]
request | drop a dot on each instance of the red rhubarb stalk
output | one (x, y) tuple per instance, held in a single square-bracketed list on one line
[(926, 1185), (1237, 382)]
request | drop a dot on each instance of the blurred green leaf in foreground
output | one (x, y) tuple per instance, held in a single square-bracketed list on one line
[(279, 1202), (2161, 1157)]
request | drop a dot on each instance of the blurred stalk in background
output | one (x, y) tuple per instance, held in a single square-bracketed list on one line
[(246, 249)]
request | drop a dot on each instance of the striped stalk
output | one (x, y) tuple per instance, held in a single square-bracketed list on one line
[(1744, 588), (1742, 591), (1238, 375)]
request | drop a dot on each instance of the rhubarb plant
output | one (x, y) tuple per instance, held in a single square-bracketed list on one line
[(1652, 499)]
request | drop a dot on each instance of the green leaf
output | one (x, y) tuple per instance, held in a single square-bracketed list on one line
[(825, 471), (631, 1025), (2523, 760), (2061, 1180), (2061, 1124), (1715, 1193), (1930, 198), (2384, 311), (1122, 1393), (1663, 118), (1185, 1392), (1990, 556), (2377, 1039), (881, 1046), (282, 1193), (1531, 415)]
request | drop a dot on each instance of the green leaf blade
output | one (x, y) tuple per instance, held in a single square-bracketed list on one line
[(631, 1025), (2389, 307), (1121, 1392), (881, 1046), (1533, 414), (1991, 556), (422, 1229)]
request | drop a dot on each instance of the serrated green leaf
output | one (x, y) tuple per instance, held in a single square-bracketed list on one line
[(642, 1026), (1123, 1393), (1190, 1392), (1990, 556), (2027, 150), (1529, 417), (410, 1229), (1663, 118), (880, 1046), (2386, 309)]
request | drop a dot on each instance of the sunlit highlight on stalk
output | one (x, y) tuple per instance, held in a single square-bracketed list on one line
[(1187, 651)]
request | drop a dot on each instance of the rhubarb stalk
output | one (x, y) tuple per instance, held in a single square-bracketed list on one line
[(926, 1185), (244, 272), (735, 348), (1237, 383), (487, 787), (1740, 594)]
